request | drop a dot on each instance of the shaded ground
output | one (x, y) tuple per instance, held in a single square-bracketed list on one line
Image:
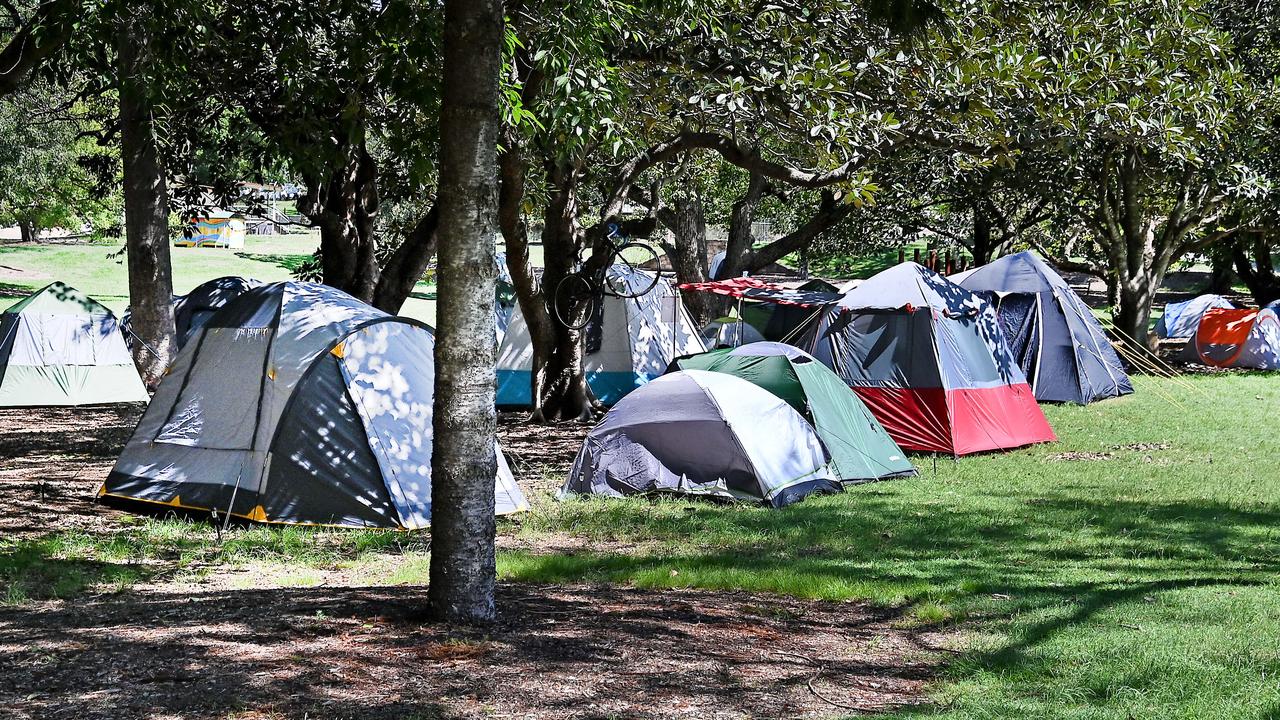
[(52, 461), (559, 652), (230, 642)]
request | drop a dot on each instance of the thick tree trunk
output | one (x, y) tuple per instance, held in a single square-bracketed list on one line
[(344, 206), (981, 238), (1133, 314), (1257, 273), (560, 390), (464, 464), (27, 231), (688, 253), (1221, 273), (407, 264), (146, 215), (741, 218)]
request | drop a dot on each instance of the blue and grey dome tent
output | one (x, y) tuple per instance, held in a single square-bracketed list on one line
[(295, 403), (1059, 344)]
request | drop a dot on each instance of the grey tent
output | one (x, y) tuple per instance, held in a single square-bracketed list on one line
[(703, 433), (860, 448), (61, 347), (1059, 344), (193, 310), (1182, 319), (295, 403)]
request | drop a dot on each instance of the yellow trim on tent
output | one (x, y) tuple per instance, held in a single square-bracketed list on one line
[(271, 373), (339, 350), (251, 515)]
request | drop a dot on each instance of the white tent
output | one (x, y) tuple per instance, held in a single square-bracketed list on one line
[(632, 342), (61, 347)]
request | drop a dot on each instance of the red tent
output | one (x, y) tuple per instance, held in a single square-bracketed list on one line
[(928, 358)]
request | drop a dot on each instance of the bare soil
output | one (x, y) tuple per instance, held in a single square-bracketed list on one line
[(213, 649)]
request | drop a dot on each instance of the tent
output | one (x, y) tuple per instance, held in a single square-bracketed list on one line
[(61, 347), (729, 332), (929, 360), (1059, 344), (777, 311), (783, 322), (1237, 338), (703, 433), (860, 448), (193, 310), (629, 342), (1181, 319), (216, 229), (295, 403)]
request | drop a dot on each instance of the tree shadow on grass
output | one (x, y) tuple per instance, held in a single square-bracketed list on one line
[(1064, 559), (289, 261)]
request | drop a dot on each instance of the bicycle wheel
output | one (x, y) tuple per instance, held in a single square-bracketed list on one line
[(574, 301), (637, 282)]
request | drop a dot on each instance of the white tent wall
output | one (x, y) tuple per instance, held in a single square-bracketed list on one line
[(639, 339), (59, 359)]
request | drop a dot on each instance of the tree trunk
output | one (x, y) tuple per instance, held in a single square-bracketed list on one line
[(407, 264), (981, 238), (146, 214), (1133, 314), (1259, 275), (688, 252), (560, 389), (1222, 275), (27, 231), (463, 465), (741, 217), (344, 206)]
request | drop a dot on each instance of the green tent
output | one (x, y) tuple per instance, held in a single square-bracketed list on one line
[(860, 448), (62, 347)]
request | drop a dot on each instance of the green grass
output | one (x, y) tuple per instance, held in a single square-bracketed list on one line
[(91, 269), (68, 564), (1140, 586), (863, 264)]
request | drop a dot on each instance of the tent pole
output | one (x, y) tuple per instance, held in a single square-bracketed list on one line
[(737, 341)]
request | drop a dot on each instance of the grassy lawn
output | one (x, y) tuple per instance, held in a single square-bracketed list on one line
[(90, 268), (1138, 581)]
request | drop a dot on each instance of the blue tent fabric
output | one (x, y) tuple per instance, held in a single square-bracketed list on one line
[(1059, 344), (1182, 319)]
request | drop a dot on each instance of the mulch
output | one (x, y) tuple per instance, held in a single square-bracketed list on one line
[(556, 652)]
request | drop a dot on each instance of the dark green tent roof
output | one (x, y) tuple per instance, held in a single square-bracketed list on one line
[(58, 298)]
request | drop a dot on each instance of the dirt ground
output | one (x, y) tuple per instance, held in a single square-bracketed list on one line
[(214, 650)]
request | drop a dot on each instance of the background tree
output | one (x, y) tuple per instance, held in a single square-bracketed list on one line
[(49, 163)]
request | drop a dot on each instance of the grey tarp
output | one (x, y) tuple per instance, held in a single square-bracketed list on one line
[(703, 433), (295, 403)]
